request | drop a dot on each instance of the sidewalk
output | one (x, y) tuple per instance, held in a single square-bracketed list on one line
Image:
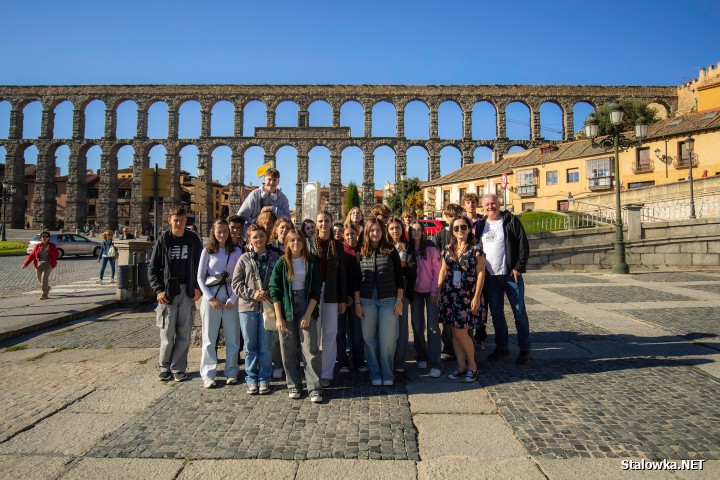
[(623, 368)]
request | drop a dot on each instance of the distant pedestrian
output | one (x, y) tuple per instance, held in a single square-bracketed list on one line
[(173, 276), (704, 174), (126, 235), (44, 258), (107, 255)]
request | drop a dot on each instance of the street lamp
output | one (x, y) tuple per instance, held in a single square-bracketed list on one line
[(616, 141), (690, 147), (6, 194)]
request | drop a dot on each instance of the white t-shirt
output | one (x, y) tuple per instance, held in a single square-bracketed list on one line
[(298, 281), (493, 243)]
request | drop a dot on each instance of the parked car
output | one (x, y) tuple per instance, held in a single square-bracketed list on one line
[(432, 226), (69, 244)]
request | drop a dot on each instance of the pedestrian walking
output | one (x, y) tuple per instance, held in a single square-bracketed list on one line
[(44, 257), (218, 304), (108, 253), (295, 289)]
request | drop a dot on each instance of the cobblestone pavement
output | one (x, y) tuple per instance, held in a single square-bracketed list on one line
[(612, 294), (693, 323), (69, 270)]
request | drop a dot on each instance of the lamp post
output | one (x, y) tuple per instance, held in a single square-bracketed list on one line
[(6, 192), (616, 141), (690, 147)]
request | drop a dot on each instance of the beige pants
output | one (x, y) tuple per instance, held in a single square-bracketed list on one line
[(43, 275)]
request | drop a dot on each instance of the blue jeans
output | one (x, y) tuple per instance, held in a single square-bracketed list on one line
[(103, 263), (496, 288), (380, 329), (258, 341)]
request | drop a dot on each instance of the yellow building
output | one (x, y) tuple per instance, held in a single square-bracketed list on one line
[(546, 177)]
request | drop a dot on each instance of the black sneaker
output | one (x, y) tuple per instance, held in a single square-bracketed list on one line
[(498, 354), (179, 376), (165, 376), (523, 358)]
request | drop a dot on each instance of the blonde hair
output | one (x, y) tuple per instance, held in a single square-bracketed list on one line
[(107, 233), (287, 256)]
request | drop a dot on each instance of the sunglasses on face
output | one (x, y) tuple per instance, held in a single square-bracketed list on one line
[(457, 228)]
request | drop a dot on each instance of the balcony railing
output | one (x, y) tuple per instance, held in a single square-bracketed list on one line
[(600, 183), (679, 163), (643, 167), (527, 191)]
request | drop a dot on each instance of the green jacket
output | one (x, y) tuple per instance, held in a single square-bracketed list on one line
[(280, 287)]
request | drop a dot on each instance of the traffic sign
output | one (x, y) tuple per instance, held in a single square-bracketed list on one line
[(195, 198), (197, 207), (147, 182), (504, 181), (196, 182), (262, 169)]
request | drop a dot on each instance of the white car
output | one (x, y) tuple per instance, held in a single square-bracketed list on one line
[(69, 244)]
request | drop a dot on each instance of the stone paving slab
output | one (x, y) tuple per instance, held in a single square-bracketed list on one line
[(119, 400), (32, 467), (710, 288), (238, 469), (355, 421), (124, 468), (356, 469), (692, 323), (627, 407), (597, 468), (554, 326), (485, 469), (671, 277), (615, 294), (541, 279), (456, 398), (115, 332)]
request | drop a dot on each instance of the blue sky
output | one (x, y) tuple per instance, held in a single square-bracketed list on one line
[(394, 42)]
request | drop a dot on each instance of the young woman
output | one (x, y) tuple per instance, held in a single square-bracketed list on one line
[(309, 229), (427, 259), (331, 266), (250, 283), (396, 238), (348, 323), (267, 220), (217, 264), (460, 283), (295, 290), (337, 231), (379, 301), (356, 217), (104, 257), (277, 243), (277, 239), (44, 257)]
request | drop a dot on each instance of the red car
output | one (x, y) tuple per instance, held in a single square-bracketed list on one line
[(432, 226)]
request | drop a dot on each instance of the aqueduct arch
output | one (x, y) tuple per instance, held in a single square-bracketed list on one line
[(302, 137)]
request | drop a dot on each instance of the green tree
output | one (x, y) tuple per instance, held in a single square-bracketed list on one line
[(415, 201), (403, 190), (634, 109), (352, 197)]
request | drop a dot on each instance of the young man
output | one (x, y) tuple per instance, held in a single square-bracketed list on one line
[(382, 212), (267, 197), (471, 202), (236, 223), (408, 217), (506, 251), (173, 276)]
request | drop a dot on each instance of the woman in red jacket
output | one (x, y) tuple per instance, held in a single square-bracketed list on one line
[(44, 258)]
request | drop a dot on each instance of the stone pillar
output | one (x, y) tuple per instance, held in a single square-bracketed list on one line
[(78, 123), (139, 206), (45, 201), (535, 123), (303, 118), (142, 122), (238, 125), (433, 166), (500, 126), (237, 181), (400, 122), (433, 122), (173, 123), (335, 116), (269, 158), (15, 123), (335, 206), (172, 163), (47, 123), (400, 165), (467, 154), (634, 221), (107, 213), (271, 117), (15, 173), (110, 124), (205, 175), (368, 200), (205, 118), (568, 123), (467, 123), (368, 121), (303, 160), (76, 206)]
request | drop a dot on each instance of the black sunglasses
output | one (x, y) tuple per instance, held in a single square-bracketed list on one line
[(457, 228)]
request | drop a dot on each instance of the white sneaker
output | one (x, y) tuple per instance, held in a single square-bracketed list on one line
[(231, 381), (277, 373), (294, 393), (377, 383), (435, 372), (422, 364), (388, 383), (209, 383)]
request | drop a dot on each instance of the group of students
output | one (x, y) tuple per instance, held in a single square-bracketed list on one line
[(293, 297)]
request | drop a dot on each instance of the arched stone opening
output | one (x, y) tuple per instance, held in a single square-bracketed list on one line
[(62, 161), (158, 120), (125, 156), (63, 120), (189, 159), (450, 159), (352, 114), (384, 159), (321, 114), (254, 115), (417, 120), (94, 119), (286, 160), (662, 109), (222, 119), (551, 121), (319, 165), (483, 154), (286, 114), (253, 157), (517, 121), (450, 120), (93, 158), (127, 119), (32, 113), (484, 121), (516, 148), (157, 155), (581, 111), (418, 162), (190, 119), (384, 119)]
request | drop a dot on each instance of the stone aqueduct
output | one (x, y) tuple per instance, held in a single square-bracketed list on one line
[(270, 138)]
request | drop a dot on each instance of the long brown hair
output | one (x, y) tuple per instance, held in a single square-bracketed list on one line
[(423, 239), (332, 252), (453, 239), (274, 235), (390, 240), (287, 256), (383, 246), (213, 245)]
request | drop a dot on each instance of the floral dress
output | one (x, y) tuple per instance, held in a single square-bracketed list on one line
[(455, 300)]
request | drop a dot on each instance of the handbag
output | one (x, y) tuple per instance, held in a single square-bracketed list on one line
[(112, 251)]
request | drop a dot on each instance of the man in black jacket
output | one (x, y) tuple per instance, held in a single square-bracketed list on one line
[(173, 275), (506, 252)]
